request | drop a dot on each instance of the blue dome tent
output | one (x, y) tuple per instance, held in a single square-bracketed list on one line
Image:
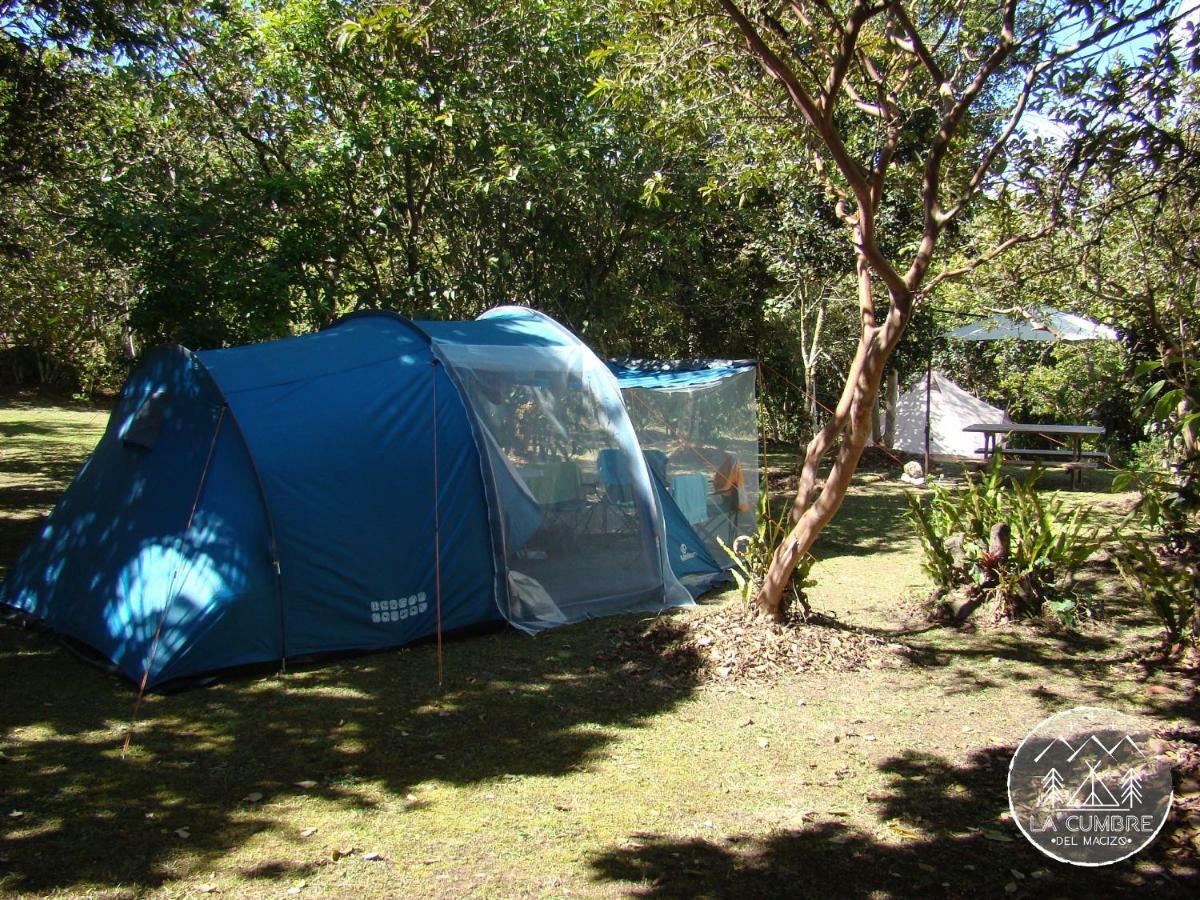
[(357, 488)]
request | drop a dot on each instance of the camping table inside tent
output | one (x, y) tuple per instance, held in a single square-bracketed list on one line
[(1075, 458)]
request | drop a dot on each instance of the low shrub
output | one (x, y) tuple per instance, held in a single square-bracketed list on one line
[(752, 553), (1000, 539), (1167, 583)]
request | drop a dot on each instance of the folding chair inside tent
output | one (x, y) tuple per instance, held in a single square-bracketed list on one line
[(616, 482), (560, 494)]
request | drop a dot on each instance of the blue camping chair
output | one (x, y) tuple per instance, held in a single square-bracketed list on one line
[(617, 492)]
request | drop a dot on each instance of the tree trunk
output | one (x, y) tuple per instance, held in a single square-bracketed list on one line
[(810, 386), (845, 435)]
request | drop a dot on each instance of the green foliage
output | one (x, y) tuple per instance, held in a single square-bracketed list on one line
[(1046, 544), (1169, 586), (262, 171), (752, 554), (1169, 483)]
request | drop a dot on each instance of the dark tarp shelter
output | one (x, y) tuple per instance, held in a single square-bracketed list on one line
[(356, 488)]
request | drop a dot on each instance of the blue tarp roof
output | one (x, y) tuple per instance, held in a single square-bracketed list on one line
[(676, 373)]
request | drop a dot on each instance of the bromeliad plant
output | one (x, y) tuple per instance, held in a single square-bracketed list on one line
[(998, 538), (751, 554)]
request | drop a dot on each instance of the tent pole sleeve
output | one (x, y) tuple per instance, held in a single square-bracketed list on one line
[(272, 542)]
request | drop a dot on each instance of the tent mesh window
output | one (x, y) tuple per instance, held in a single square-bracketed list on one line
[(576, 505), (700, 433)]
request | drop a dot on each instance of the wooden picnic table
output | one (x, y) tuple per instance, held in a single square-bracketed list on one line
[(1071, 457)]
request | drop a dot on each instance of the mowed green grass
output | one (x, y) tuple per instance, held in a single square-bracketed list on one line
[(573, 764)]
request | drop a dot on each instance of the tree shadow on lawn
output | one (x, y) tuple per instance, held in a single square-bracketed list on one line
[(946, 835), (1106, 661), (872, 519), (367, 730)]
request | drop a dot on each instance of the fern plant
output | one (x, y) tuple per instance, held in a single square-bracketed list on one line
[(1045, 544), (751, 554)]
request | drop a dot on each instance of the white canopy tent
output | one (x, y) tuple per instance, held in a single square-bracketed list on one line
[(1038, 323), (950, 410)]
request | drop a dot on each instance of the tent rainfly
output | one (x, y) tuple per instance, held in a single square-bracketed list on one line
[(951, 409), (356, 488)]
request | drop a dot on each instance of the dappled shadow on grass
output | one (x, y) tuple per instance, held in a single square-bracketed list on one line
[(366, 730), (943, 832), (871, 520), (22, 518), (1046, 658), (37, 461), (1108, 658)]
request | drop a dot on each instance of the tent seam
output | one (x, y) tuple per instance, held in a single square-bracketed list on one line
[(272, 539)]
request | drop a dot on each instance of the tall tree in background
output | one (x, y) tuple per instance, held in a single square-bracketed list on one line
[(889, 98), (1139, 238)]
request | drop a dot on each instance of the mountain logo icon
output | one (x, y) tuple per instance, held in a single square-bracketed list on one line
[(1087, 787)]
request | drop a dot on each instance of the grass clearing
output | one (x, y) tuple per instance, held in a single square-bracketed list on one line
[(570, 764)]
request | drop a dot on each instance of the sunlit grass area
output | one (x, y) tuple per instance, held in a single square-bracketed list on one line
[(577, 763)]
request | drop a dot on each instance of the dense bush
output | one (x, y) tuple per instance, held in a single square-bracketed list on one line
[(998, 538), (1160, 552)]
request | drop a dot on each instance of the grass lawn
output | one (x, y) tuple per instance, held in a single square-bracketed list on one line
[(570, 764)]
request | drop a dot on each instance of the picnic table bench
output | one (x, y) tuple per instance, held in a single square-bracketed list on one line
[(1071, 457)]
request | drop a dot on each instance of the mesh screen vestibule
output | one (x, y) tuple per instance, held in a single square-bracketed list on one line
[(701, 439), (580, 520)]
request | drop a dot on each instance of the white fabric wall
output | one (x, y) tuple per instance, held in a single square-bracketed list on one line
[(951, 411)]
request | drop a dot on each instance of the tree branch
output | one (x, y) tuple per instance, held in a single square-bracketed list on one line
[(984, 258)]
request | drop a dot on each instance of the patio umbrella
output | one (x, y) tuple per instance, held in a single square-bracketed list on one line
[(1038, 323)]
